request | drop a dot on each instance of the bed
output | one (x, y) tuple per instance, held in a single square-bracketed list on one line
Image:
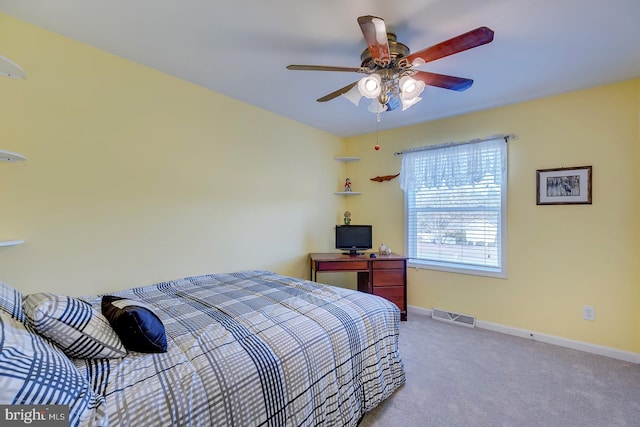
[(250, 348)]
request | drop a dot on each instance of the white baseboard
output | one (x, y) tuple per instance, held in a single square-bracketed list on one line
[(614, 353)]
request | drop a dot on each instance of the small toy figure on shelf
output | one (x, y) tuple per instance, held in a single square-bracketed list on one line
[(347, 218), (347, 185)]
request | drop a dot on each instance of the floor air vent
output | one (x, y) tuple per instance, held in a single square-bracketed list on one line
[(457, 318)]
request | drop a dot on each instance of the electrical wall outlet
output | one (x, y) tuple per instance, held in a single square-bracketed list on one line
[(588, 313)]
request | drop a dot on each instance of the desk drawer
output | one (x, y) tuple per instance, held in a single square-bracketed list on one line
[(388, 278), (386, 265), (395, 294), (342, 266)]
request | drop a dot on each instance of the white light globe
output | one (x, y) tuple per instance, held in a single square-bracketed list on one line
[(370, 86), (410, 88)]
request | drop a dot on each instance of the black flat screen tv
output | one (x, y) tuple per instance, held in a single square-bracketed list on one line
[(354, 239)]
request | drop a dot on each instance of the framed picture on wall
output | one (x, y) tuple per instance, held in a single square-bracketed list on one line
[(564, 186)]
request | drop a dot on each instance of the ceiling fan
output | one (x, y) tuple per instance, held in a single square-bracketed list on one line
[(391, 76)]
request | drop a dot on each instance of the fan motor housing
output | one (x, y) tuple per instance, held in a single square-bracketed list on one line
[(396, 49)]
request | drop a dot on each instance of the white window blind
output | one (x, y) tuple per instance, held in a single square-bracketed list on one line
[(456, 206)]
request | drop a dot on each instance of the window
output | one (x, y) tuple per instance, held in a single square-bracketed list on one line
[(456, 205)]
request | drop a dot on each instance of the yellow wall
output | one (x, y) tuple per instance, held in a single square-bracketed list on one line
[(560, 258), (134, 176)]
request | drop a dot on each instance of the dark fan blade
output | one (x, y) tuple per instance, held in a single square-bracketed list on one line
[(440, 80), (321, 68), (337, 93), (375, 34), (473, 38)]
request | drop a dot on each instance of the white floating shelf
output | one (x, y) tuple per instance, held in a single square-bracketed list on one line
[(348, 159), (347, 193), (10, 242), (8, 156), (10, 69)]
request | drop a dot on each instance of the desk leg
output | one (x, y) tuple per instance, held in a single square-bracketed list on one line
[(364, 284)]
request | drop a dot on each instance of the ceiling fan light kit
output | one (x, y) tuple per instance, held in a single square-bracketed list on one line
[(391, 75)]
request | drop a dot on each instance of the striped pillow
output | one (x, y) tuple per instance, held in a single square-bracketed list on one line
[(74, 325), (35, 372), (11, 301)]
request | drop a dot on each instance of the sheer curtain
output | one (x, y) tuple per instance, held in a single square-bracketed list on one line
[(453, 165)]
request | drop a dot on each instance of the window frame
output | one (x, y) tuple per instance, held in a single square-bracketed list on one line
[(476, 270)]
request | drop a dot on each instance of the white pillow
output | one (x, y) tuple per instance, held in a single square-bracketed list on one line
[(74, 325)]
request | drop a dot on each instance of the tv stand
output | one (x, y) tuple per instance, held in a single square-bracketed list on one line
[(353, 253), (385, 276)]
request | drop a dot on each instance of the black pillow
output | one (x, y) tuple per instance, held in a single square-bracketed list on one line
[(138, 328)]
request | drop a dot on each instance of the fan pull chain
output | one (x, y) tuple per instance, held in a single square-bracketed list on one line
[(377, 146)]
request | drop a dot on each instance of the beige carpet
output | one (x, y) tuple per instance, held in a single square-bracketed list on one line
[(459, 376)]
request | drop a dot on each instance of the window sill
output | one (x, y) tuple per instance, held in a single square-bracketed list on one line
[(455, 268)]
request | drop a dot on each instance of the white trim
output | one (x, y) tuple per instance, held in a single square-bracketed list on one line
[(419, 310), (456, 268), (611, 352)]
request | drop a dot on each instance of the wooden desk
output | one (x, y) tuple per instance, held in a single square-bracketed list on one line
[(385, 275)]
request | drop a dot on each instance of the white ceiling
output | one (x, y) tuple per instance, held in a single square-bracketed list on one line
[(240, 48)]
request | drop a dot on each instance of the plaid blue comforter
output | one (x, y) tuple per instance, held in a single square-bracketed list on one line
[(254, 348)]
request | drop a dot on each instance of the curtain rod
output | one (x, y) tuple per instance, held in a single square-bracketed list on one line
[(506, 138)]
